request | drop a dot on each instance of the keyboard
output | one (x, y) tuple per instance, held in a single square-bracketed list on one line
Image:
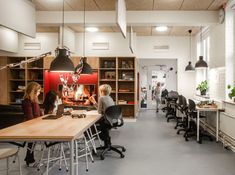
[(51, 117)]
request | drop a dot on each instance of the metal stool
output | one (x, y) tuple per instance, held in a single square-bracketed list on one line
[(6, 153)]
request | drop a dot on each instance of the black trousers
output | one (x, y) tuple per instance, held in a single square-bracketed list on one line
[(29, 158)]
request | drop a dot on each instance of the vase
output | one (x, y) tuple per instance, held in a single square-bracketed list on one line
[(203, 92)]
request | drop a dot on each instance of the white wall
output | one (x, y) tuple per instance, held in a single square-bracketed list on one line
[(217, 46), (48, 42), (178, 49), (18, 15), (8, 40), (118, 46)]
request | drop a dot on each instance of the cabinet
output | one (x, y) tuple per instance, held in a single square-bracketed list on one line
[(20, 76), (120, 74)]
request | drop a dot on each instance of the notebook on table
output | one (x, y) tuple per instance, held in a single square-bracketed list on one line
[(58, 114)]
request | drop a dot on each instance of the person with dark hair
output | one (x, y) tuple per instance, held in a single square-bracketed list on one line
[(49, 104), (31, 109)]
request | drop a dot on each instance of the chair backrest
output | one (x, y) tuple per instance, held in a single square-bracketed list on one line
[(173, 95), (191, 105), (180, 101), (113, 114), (164, 93), (184, 102)]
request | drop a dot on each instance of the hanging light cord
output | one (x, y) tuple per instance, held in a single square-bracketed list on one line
[(63, 26), (84, 18), (190, 40), (201, 41)]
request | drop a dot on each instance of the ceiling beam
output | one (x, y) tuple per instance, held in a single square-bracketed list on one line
[(134, 18)]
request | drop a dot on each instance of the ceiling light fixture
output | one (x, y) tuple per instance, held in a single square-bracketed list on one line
[(190, 67), (92, 29), (86, 68), (201, 64), (161, 28), (62, 62)]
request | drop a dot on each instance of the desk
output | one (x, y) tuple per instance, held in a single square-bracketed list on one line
[(215, 109), (63, 129)]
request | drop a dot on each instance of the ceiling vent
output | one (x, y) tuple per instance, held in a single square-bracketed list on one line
[(32, 46), (161, 48)]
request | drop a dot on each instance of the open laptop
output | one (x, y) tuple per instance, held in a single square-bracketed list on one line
[(59, 113)]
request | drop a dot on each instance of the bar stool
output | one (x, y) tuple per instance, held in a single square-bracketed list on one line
[(6, 153)]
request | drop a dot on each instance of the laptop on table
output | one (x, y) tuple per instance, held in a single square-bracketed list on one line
[(59, 113)]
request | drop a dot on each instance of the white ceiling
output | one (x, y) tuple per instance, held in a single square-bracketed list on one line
[(144, 5)]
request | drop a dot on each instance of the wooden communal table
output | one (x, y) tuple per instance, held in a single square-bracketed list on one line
[(207, 109), (65, 129)]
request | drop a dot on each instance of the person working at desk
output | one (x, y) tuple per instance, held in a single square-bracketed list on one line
[(31, 109), (104, 102), (50, 102)]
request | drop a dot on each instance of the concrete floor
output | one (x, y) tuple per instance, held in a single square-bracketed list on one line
[(153, 148)]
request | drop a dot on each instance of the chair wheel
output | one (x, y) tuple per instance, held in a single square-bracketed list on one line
[(38, 169), (101, 157), (123, 149), (86, 170), (186, 139), (176, 127), (178, 132), (122, 156), (67, 170), (59, 169)]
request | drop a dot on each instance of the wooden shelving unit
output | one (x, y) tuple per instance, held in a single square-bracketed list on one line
[(119, 73), (19, 77)]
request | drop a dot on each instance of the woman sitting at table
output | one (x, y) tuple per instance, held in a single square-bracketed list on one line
[(50, 103), (31, 109), (104, 102)]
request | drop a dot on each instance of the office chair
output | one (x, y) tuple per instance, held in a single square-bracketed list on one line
[(112, 119), (192, 129), (163, 99), (171, 103), (184, 110)]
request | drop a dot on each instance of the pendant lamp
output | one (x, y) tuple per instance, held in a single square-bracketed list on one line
[(201, 63), (62, 62), (190, 67)]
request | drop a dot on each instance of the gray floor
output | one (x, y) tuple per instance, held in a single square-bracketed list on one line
[(154, 148)]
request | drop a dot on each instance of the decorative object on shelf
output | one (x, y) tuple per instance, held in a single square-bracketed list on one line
[(127, 76), (126, 64), (190, 67), (109, 64), (201, 63), (231, 94), (110, 75), (62, 62), (203, 87)]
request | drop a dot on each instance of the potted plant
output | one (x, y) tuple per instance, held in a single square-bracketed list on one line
[(232, 92), (202, 87)]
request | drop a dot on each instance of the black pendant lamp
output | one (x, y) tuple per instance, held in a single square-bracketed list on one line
[(201, 63), (62, 62), (86, 68), (190, 67)]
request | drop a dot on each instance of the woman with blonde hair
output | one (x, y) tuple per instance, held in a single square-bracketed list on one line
[(31, 109), (105, 100)]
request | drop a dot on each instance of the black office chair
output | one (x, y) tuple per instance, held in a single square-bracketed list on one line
[(184, 110), (171, 103), (112, 119), (192, 128)]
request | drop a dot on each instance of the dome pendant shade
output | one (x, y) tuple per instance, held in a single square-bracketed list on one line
[(201, 63), (86, 68), (62, 62), (189, 67)]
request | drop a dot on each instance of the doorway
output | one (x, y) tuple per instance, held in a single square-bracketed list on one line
[(153, 71)]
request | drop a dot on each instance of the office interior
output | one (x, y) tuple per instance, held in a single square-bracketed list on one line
[(161, 38)]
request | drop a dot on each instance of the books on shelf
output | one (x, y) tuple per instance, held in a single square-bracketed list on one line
[(122, 102)]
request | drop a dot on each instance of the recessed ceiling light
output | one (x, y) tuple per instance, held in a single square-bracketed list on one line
[(161, 28), (92, 29)]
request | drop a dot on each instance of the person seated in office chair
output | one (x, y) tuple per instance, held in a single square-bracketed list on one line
[(104, 102)]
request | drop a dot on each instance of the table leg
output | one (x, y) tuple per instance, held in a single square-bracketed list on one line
[(217, 126), (198, 125), (72, 157)]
